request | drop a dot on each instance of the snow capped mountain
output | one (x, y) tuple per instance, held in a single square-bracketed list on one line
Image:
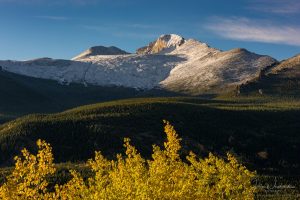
[(171, 62), (165, 43), (100, 50), (63, 71), (211, 70)]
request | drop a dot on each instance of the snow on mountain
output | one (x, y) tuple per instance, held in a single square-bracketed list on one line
[(100, 50), (212, 70), (134, 71), (170, 62), (64, 71), (164, 44)]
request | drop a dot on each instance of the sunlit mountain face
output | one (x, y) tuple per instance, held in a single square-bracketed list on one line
[(171, 62)]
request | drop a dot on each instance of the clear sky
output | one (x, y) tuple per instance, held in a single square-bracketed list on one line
[(64, 28)]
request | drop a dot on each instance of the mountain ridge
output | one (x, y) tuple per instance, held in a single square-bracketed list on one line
[(100, 50), (281, 79), (171, 63)]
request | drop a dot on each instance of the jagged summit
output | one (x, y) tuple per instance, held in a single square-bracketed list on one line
[(101, 50), (164, 43)]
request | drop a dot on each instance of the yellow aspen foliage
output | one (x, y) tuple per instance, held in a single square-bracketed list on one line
[(130, 176), (216, 178), (74, 189), (28, 179)]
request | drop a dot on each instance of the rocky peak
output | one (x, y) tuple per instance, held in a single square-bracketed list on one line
[(164, 42)]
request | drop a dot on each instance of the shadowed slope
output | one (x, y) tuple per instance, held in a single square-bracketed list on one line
[(256, 132)]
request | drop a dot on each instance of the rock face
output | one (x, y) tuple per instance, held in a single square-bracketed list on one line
[(171, 63), (290, 66), (164, 43), (281, 79), (101, 50)]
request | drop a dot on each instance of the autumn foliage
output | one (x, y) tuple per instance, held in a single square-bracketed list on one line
[(130, 176)]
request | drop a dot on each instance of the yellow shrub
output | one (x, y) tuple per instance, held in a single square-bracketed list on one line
[(165, 176), (28, 180)]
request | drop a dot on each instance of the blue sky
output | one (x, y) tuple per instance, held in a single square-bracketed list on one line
[(64, 28)]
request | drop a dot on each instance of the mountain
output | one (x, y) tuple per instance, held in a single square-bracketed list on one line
[(208, 70), (171, 63), (291, 64), (281, 79), (100, 50), (163, 43), (21, 95)]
